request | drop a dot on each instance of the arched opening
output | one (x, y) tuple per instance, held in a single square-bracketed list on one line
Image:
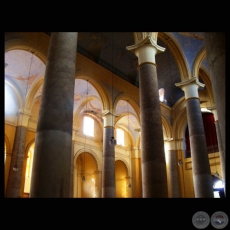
[(122, 184), (87, 177)]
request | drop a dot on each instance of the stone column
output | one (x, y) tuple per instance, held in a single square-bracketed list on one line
[(220, 147), (154, 176), (215, 52), (202, 179), (53, 142), (108, 155), (173, 177), (14, 185), (71, 190)]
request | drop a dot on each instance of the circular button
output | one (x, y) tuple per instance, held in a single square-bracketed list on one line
[(219, 220), (201, 220)]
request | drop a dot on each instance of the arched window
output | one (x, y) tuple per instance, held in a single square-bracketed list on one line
[(88, 126), (120, 137)]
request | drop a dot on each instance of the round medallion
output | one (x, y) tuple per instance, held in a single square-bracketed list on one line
[(200, 220), (219, 220)]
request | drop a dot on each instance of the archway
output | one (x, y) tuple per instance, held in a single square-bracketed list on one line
[(122, 180), (87, 177)]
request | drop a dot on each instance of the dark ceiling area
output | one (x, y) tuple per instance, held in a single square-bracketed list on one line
[(108, 49)]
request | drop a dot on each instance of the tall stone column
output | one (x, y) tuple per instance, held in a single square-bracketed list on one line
[(173, 177), (220, 147), (108, 155), (14, 185), (154, 176), (53, 142), (215, 52), (202, 179), (71, 190)]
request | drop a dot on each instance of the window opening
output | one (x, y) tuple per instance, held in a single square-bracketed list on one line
[(88, 126), (120, 137)]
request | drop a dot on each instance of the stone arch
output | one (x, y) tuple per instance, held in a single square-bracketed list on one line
[(77, 112), (31, 99), (177, 53), (208, 85), (197, 63), (180, 122), (127, 98), (32, 46), (167, 127), (28, 147), (124, 161), (92, 153), (104, 95)]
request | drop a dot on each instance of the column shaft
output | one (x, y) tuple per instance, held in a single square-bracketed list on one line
[(173, 177), (13, 189), (108, 173), (215, 52), (222, 156), (203, 186), (154, 179), (53, 143)]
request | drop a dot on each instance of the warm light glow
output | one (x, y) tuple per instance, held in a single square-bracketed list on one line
[(120, 137), (124, 190), (29, 163), (88, 126), (205, 110), (161, 94)]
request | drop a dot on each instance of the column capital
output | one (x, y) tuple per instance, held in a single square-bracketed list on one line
[(107, 112), (170, 143), (168, 139), (190, 87), (23, 117), (108, 117), (146, 48), (136, 153)]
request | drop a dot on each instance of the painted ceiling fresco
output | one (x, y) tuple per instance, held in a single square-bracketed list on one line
[(108, 49), (23, 69)]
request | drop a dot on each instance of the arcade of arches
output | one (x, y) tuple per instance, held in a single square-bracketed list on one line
[(48, 154)]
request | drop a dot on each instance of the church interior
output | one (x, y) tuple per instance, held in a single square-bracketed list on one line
[(114, 115)]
